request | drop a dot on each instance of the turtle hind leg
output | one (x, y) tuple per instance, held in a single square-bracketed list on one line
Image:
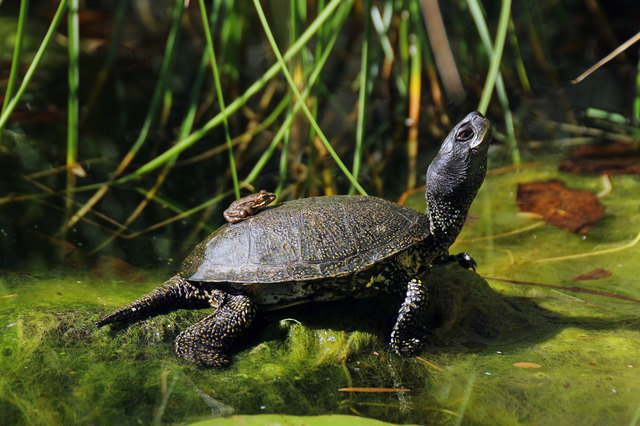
[(406, 337), (175, 293), (207, 343)]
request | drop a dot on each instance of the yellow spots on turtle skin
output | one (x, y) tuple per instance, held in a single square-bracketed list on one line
[(403, 337), (370, 282)]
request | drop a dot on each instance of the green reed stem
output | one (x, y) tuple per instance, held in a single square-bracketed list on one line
[(381, 23), (337, 23), (305, 109), (206, 24), (519, 63), (636, 103), (72, 103), (105, 70), (17, 51), (163, 79), (362, 95), (495, 53), (6, 112), (493, 76)]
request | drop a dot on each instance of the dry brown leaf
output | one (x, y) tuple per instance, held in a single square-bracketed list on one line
[(613, 159), (569, 209), (596, 274)]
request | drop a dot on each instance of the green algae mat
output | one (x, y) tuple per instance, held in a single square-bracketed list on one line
[(551, 334)]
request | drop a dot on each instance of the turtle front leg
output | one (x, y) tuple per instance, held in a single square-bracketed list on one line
[(207, 342), (409, 328)]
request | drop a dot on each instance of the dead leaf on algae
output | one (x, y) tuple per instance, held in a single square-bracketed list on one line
[(596, 274), (613, 159), (569, 209)]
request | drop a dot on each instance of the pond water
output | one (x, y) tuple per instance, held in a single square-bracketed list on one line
[(533, 348)]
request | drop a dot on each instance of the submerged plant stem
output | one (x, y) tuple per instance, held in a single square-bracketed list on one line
[(216, 79), (362, 95), (72, 106)]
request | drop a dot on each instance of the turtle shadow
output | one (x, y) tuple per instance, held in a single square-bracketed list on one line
[(464, 315)]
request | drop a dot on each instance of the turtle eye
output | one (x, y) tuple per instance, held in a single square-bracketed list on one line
[(465, 133)]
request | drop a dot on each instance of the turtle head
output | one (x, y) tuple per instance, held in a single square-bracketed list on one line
[(455, 175)]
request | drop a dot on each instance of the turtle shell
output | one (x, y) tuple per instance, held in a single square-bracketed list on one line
[(306, 239)]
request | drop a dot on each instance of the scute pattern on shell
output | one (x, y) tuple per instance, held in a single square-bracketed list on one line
[(306, 239)]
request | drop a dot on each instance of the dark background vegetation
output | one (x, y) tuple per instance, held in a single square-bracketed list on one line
[(551, 41)]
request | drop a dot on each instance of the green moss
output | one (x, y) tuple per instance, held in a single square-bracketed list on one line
[(56, 367)]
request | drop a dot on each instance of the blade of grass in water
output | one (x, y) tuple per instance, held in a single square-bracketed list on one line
[(495, 52), (105, 71), (216, 79), (312, 121), (338, 22), (34, 64), (72, 106), (341, 15), (362, 95), (185, 128), (636, 103), (493, 76), (415, 91), (515, 46), (443, 56), (15, 61), (381, 23)]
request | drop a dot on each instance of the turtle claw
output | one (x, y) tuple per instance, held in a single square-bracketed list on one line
[(465, 260)]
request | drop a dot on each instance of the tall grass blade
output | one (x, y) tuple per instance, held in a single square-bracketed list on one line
[(305, 109), (15, 61), (362, 95), (206, 24), (185, 128), (494, 79), (442, 50), (72, 106), (34, 64)]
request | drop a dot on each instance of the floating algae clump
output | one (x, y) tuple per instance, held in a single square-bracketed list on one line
[(58, 368)]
